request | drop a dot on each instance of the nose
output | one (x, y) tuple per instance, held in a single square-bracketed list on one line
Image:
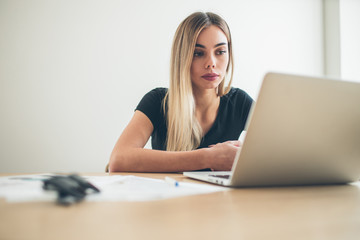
[(210, 62)]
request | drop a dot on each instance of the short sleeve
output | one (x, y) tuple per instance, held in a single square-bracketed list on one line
[(151, 105), (245, 101), (231, 119), (239, 104)]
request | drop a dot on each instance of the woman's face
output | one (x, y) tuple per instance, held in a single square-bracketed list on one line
[(211, 58)]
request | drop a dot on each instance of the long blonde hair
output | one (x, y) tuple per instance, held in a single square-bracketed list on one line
[(184, 132)]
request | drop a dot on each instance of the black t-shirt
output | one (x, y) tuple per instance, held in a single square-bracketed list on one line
[(230, 122)]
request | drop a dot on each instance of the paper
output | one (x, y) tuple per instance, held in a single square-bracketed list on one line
[(26, 188)]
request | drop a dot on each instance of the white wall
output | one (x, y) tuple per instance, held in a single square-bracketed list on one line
[(72, 71), (350, 39)]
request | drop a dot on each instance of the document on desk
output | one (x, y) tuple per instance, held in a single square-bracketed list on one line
[(26, 188)]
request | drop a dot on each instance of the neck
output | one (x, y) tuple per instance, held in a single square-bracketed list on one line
[(205, 99), (207, 106)]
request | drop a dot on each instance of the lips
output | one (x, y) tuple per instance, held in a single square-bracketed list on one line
[(210, 76)]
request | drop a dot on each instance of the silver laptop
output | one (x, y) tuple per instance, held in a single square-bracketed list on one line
[(301, 131)]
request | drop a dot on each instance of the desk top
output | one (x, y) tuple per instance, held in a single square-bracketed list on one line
[(315, 212)]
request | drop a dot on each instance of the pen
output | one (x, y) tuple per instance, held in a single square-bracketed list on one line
[(171, 181)]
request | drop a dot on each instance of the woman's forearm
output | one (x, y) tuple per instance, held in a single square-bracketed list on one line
[(148, 160)]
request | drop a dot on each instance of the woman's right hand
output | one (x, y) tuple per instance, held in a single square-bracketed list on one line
[(222, 155)]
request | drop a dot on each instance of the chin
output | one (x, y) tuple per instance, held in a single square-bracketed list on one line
[(212, 85), (207, 85)]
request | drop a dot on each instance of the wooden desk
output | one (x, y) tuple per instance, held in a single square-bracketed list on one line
[(322, 212)]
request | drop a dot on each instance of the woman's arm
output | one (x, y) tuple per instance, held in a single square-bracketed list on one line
[(129, 154)]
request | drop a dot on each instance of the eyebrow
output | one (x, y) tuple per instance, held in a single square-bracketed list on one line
[(217, 45)]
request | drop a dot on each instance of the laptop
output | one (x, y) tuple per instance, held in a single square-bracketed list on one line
[(301, 131)]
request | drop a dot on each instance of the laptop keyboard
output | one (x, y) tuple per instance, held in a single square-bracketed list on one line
[(220, 176)]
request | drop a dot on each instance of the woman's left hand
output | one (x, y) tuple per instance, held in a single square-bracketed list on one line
[(223, 155)]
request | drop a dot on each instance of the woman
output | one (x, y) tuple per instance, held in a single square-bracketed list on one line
[(195, 123)]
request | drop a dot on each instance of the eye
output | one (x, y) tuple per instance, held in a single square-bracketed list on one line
[(221, 52), (198, 54)]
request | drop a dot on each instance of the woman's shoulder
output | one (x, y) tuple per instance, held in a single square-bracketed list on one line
[(157, 92), (161, 90), (151, 105), (236, 93), (236, 103)]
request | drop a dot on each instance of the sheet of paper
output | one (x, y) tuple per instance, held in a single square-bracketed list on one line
[(26, 188), (113, 188)]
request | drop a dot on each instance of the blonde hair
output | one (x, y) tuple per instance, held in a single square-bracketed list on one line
[(184, 132)]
